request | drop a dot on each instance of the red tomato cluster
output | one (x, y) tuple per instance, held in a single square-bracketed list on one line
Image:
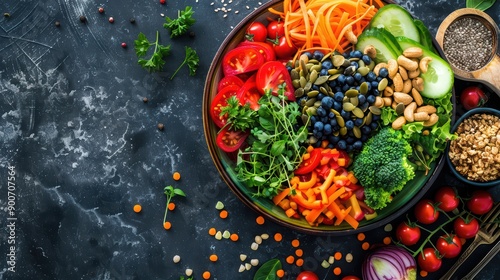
[(465, 225), (250, 70)]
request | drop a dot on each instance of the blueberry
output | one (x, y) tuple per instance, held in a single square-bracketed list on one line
[(315, 87), (321, 112), (349, 148), (341, 79), (318, 134), (346, 87), (318, 55), (333, 139), (373, 125), (358, 122), (327, 102), (342, 144), (318, 126), (327, 129), (308, 54), (350, 140), (349, 124), (346, 54), (346, 115), (337, 106), (371, 76), (370, 99), (364, 138), (349, 80), (366, 130), (314, 119), (338, 96), (332, 84), (327, 64), (323, 72), (361, 98), (376, 92), (366, 59), (357, 54), (320, 96), (331, 115), (355, 64), (383, 72), (358, 77), (374, 84), (357, 145)]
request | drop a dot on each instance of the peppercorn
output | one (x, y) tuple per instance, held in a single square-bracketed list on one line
[(57, 23), (192, 34), (83, 19), (160, 126), (132, 20), (145, 100)]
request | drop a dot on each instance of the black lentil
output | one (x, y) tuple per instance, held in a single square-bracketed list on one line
[(132, 20), (83, 19), (468, 44)]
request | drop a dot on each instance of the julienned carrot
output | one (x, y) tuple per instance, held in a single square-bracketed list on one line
[(322, 24)]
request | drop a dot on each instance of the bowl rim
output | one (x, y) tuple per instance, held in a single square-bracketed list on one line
[(210, 140), (454, 128)]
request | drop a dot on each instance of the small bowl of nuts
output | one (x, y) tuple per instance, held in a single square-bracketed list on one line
[(474, 155)]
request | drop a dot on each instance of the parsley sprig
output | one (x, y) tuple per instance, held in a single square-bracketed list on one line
[(191, 59), (181, 24), (156, 61), (239, 117)]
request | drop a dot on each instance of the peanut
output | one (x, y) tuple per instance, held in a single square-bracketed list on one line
[(401, 97), (370, 51), (399, 122), (407, 63), (423, 65), (413, 52)]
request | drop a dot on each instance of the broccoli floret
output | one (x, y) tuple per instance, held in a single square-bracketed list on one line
[(382, 167)]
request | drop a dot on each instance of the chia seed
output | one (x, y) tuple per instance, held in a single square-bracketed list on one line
[(468, 44)]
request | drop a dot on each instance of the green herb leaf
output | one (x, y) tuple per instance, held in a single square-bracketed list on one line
[(268, 270), (170, 192), (239, 117), (191, 59), (156, 61), (181, 24), (479, 4)]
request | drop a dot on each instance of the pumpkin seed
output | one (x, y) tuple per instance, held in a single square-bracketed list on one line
[(323, 90), (311, 111), (335, 112), (313, 75), (308, 86), (294, 74), (357, 132), (310, 102), (313, 93), (363, 88), (358, 112), (354, 101), (400, 108), (302, 81), (321, 80), (375, 110), (368, 118), (303, 67), (343, 131), (363, 70), (334, 71), (351, 92), (382, 84), (334, 77), (299, 92), (296, 83), (340, 121), (338, 60)]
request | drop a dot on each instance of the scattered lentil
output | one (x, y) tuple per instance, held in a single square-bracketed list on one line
[(337, 271), (132, 20), (137, 208), (254, 262), (58, 23), (101, 10), (331, 260), (299, 252), (295, 243), (6, 15), (387, 240), (226, 234), (212, 231), (290, 259), (167, 225), (176, 176), (248, 266), (223, 214), (163, 2), (242, 268), (213, 258), (243, 257), (218, 235), (234, 237), (365, 246), (325, 264), (264, 236), (160, 126), (388, 228), (258, 239), (254, 246), (171, 206), (188, 272), (176, 258), (206, 275), (299, 262), (280, 273), (219, 205), (260, 220), (423, 273), (468, 43), (124, 45), (349, 257), (278, 237), (337, 256), (145, 99), (111, 20), (361, 236)]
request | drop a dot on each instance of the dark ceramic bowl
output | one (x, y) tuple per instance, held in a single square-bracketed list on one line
[(402, 202), (483, 110)]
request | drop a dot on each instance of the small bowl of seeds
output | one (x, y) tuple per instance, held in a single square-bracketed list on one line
[(474, 155), (469, 40)]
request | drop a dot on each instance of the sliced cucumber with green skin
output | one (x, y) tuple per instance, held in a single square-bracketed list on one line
[(439, 78), (396, 20), (425, 35), (386, 45)]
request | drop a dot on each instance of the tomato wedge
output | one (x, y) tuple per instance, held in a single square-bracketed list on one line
[(271, 76), (220, 101), (229, 80), (249, 93), (308, 165), (264, 48), (242, 59), (230, 140)]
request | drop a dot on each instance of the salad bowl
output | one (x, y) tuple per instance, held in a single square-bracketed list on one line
[(226, 162)]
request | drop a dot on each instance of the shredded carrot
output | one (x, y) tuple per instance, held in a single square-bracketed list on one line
[(290, 259), (337, 256), (137, 208), (260, 220), (223, 214), (206, 275), (280, 273), (337, 271), (322, 24), (234, 237), (167, 225), (299, 262), (176, 176), (278, 237), (295, 243), (213, 258), (171, 206)]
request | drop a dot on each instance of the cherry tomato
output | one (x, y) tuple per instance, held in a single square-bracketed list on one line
[(275, 29), (282, 49), (230, 140), (480, 203), (466, 228), (449, 246), (265, 49), (408, 234), (307, 275), (242, 59), (271, 76), (428, 260), (425, 212), (229, 80), (309, 164), (220, 101), (446, 198), (256, 32), (248, 93), (472, 97)]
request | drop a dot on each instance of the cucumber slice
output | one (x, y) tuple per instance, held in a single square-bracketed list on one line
[(386, 45), (425, 35), (438, 80), (397, 21)]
